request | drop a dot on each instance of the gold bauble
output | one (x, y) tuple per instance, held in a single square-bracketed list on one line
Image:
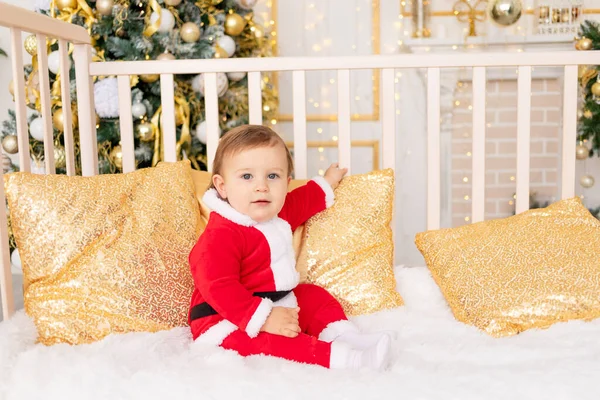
[(587, 181), (587, 114), (234, 24), (31, 45), (259, 31), (220, 52), (145, 131), (62, 4), (11, 87), (166, 56), (150, 78), (581, 152), (190, 32), (60, 156), (584, 44), (116, 156), (505, 12), (105, 7), (10, 144), (596, 89), (172, 3), (58, 119)]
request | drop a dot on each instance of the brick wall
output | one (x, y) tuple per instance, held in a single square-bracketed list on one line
[(501, 147)]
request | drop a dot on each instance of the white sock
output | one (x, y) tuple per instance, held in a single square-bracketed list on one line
[(360, 340), (375, 357)]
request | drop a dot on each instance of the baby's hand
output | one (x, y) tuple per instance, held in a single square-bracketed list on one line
[(282, 321), (334, 175)]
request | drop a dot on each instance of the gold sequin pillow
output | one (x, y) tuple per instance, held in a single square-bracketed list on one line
[(348, 248), (527, 271), (105, 254)]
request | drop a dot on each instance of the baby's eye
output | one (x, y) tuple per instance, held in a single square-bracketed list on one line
[(247, 176), (273, 176)]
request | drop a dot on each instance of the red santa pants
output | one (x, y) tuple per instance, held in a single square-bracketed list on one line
[(317, 309)]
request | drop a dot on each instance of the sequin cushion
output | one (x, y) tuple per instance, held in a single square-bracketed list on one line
[(348, 248), (105, 254), (530, 270)]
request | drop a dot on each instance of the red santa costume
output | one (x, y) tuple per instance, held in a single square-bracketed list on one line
[(236, 259)]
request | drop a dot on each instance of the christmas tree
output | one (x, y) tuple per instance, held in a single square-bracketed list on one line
[(146, 30)]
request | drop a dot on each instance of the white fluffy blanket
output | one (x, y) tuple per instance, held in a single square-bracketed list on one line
[(435, 357)]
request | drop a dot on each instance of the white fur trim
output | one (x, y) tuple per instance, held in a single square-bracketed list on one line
[(259, 317), (217, 333), (283, 260), (335, 329), (340, 357), (329, 196), (213, 201), (289, 301)]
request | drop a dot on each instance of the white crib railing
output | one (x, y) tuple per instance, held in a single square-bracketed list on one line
[(19, 20)]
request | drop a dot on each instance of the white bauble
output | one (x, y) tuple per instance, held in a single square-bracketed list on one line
[(106, 98), (54, 62), (36, 129), (246, 4), (236, 76), (227, 44), (167, 20), (201, 132), (138, 110), (15, 261), (222, 84)]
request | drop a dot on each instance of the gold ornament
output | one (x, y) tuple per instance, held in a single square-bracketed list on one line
[(234, 24), (10, 144), (62, 4), (587, 114), (220, 52), (505, 12), (584, 44), (6, 163), (581, 152), (587, 181), (31, 45), (172, 3), (150, 78), (116, 156), (58, 119), (145, 131), (166, 56), (11, 87), (596, 89), (60, 156), (190, 32), (471, 13), (105, 7)]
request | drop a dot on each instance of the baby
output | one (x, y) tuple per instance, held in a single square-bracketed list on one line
[(247, 294)]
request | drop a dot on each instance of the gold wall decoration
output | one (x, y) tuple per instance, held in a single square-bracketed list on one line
[(470, 13), (375, 77)]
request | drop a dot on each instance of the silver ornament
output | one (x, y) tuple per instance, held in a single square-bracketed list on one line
[(505, 12), (138, 110), (581, 152), (587, 181), (6, 163)]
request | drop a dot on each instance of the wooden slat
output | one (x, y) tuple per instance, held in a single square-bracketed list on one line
[(300, 153), (167, 99), (126, 124), (254, 98), (45, 103), (389, 119), (65, 87), (6, 289), (569, 134), (344, 149), (20, 107), (478, 153), (82, 56), (433, 148), (211, 99), (523, 138)]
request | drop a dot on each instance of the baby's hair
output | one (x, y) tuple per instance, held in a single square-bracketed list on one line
[(246, 137)]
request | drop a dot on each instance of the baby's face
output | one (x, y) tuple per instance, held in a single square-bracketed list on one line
[(255, 181)]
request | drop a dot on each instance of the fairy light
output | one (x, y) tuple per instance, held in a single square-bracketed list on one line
[(465, 179), (467, 197), (335, 138), (467, 219), (319, 130)]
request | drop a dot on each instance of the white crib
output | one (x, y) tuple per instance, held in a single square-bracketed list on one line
[(19, 20)]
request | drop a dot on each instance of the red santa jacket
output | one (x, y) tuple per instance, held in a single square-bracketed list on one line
[(236, 256)]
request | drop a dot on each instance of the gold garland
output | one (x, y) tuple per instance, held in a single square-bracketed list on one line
[(152, 28)]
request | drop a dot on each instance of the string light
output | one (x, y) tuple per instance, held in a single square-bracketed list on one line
[(465, 179)]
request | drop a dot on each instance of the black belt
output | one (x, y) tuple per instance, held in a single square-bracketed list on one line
[(204, 309)]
